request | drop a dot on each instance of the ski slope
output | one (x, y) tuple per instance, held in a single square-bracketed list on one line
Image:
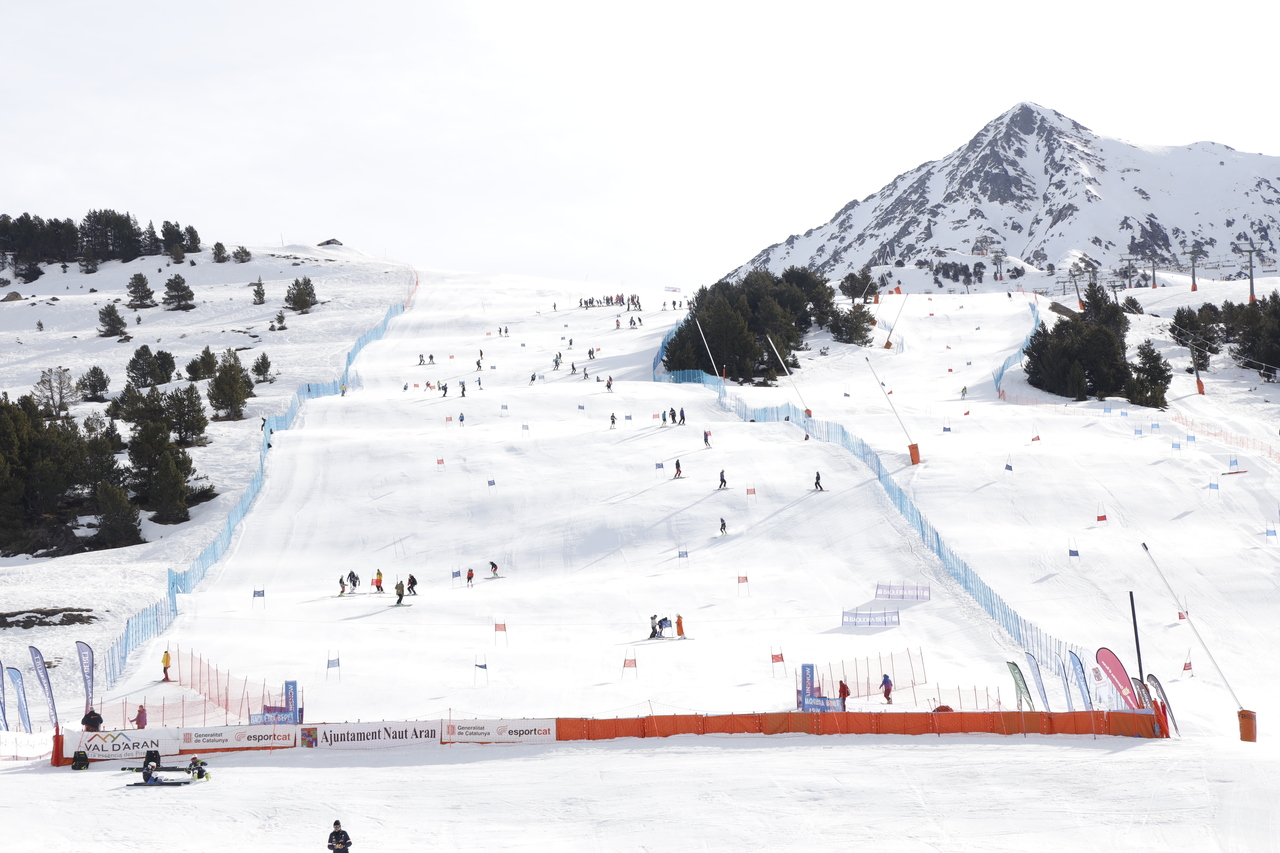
[(587, 531)]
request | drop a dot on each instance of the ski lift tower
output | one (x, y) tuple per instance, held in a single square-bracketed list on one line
[(1251, 251), (997, 263)]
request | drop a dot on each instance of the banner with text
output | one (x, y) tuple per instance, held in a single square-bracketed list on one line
[(239, 737), (369, 735), (101, 746), (498, 731)]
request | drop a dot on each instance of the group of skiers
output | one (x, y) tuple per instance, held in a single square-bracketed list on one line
[(706, 435), (493, 572), (631, 302), (659, 627), (352, 580)]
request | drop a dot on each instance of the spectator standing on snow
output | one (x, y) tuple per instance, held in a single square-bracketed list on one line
[(886, 684), (338, 839), (164, 662), (723, 484), (817, 481), (140, 720), (844, 691), (92, 721)]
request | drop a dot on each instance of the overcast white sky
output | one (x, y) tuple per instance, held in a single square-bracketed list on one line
[(661, 143)]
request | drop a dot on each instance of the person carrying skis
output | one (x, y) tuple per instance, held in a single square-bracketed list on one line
[(399, 592), (886, 684), (471, 576), (494, 567), (412, 586), (723, 484), (338, 839)]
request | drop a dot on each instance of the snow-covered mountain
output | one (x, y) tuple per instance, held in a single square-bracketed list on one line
[(1046, 189)]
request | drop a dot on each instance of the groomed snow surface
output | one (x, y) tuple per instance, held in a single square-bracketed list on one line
[(587, 530)]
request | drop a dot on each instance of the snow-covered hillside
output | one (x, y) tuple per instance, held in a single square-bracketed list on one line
[(588, 531), (1047, 190)]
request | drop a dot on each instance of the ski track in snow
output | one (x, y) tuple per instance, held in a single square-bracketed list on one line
[(586, 532)]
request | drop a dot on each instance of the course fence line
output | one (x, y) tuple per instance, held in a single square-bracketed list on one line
[(1015, 357), (152, 621), (1047, 648)]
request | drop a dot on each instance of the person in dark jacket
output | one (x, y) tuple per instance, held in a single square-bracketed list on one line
[(92, 721), (412, 585), (338, 839)]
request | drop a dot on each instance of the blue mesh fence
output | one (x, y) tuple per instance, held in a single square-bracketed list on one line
[(1044, 646), (152, 621), (998, 373)]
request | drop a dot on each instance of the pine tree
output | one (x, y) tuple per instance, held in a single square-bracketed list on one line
[(1151, 378), (100, 453), (262, 368), (852, 326), (164, 368), (176, 253), (141, 369), (118, 523), (259, 292), (93, 384), (241, 255), (301, 295), (230, 387), (185, 411), (140, 293), (860, 284), (113, 325), (150, 442), (169, 493), (203, 366), (177, 296), (1077, 385), (88, 262), (150, 244), (191, 239), (220, 255)]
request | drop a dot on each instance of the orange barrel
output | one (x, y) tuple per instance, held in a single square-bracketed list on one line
[(915, 456), (1248, 726)]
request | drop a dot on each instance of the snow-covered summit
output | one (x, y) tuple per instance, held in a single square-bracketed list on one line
[(1046, 189)]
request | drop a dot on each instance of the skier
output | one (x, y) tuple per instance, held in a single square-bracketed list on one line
[(608, 385), (164, 662), (673, 416), (533, 377), (817, 481), (682, 416), (613, 421), (679, 626), (678, 471), (964, 392), (617, 325), (664, 418), (422, 359), (507, 331), (706, 438), (723, 527), (462, 383), (353, 580), (723, 484), (405, 388), (494, 567), (471, 576), (149, 776), (481, 357), (573, 369), (413, 585), (338, 839), (399, 592), (196, 768), (461, 417), (342, 586), (663, 624), (431, 359), (585, 375), (477, 364), (444, 388), (886, 684), (570, 343), (653, 627), (478, 385), (377, 581)]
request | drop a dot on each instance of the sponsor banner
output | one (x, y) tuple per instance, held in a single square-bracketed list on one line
[(1035, 674), (498, 731), (820, 704), (1119, 677), (1021, 684), (85, 654), (870, 618), (42, 676), (1081, 681), (369, 735), (101, 746), (274, 718), (239, 737), (24, 715)]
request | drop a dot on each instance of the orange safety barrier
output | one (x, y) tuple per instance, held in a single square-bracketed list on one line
[(1118, 723)]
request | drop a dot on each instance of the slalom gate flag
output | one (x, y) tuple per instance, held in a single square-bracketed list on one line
[(626, 417), (1072, 552), (777, 658), (1035, 438), (24, 716), (482, 666), (1102, 518), (657, 465), (1034, 667), (1080, 680), (504, 406), (628, 662), (42, 675), (1066, 685), (742, 578), (672, 289), (1118, 675), (1008, 467), (682, 555), (751, 491), (581, 407), (500, 626), (4, 718), (259, 593), (333, 664), (1177, 446), (457, 573), (1020, 684), (86, 671), (492, 483)]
